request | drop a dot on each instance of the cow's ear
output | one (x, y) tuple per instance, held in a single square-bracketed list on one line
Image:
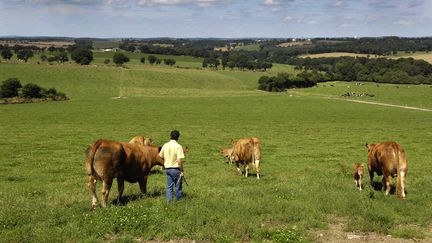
[(367, 145)]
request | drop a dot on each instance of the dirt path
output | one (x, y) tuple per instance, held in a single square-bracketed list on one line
[(362, 101)]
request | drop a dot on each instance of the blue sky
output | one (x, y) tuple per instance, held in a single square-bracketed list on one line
[(216, 18)]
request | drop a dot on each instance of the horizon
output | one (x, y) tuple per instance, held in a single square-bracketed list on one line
[(219, 19)]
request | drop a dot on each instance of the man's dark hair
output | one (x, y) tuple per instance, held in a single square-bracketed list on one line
[(175, 135)]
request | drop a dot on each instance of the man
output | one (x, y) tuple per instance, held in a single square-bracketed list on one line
[(172, 153)]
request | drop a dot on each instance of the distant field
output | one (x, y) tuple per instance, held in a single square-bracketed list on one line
[(295, 43), (310, 141), (105, 44), (338, 54), (418, 55), (251, 47), (40, 44)]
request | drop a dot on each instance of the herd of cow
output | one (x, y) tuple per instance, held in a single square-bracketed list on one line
[(132, 161)]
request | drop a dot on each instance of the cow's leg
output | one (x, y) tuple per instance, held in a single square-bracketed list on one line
[(387, 183), (371, 175), (361, 183), (402, 183), (120, 186), (257, 168), (246, 167), (355, 183), (107, 183), (143, 184), (238, 168), (92, 187)]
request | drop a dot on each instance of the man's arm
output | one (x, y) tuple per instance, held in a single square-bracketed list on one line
[(179, 161)]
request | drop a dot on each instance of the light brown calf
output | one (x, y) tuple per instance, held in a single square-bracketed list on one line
[(358, 175)]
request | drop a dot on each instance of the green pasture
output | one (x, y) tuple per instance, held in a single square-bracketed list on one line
[(309, 141)]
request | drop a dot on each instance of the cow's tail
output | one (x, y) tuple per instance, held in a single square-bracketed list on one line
[(90, 157), (401, 171)]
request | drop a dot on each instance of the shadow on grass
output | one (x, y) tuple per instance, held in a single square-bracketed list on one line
[(378, 186), (134, 197)]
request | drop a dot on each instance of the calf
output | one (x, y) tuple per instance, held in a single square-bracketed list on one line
[(358, 175)]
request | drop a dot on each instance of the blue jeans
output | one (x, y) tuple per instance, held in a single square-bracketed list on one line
[(174, 180)]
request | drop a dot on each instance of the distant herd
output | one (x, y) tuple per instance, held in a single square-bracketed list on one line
[(132, 161)]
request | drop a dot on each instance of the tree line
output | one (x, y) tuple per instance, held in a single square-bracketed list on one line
[(239, 60), (283, 81), (12, 88), (380, 70)]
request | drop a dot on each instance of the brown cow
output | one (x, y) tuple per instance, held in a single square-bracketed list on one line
[(226, 153), (141, 140), (245, 151), (388, 159), (358, 175), (107, 160)]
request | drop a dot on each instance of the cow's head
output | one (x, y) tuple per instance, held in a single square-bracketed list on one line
[(369, 146), (186, 150)]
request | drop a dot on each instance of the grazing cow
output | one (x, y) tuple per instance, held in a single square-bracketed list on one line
[(388, 159), (358, 175), (141, 140), (107, 160), (226, 153), (245, 151)]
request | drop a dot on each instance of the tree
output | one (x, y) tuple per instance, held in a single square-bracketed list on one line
[(51, 49), (43, 57), (152, 59), (10, 87), (211, 62), (24, 54), (120, 58), (63, 57), (169, 61), (6, 53), (31, 90), (82, 56)]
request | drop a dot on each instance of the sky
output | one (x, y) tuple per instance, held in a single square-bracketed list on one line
[(216, 18)]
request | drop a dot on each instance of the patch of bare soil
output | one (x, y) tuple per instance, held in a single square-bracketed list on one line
[(336, 233)]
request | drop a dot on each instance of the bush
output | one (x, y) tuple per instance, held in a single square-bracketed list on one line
[(9, 88), (82, 56), (107, 61), (120, 58), (31, 90), (152, 59), (142, 60)]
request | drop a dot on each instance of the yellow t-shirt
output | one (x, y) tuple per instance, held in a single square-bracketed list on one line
[(171, 152)]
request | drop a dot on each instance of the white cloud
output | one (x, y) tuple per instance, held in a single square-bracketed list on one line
[(402, 22), (288, 18), (176, 2), (271, 2)]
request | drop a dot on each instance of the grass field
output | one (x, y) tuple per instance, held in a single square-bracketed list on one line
[(418, 55), (310, 143), (427, 56)]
